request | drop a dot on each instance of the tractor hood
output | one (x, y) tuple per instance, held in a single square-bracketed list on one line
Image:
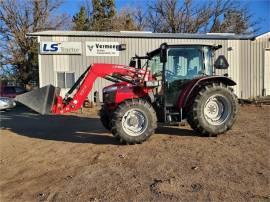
[(116, 86), (119, 92)]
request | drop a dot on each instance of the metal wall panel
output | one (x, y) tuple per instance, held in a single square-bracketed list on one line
[(252, 66), (267, 72), (234, 64), (245, 57), (46, 67)]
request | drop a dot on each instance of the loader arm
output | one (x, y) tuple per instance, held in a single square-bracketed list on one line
[(84, 84)]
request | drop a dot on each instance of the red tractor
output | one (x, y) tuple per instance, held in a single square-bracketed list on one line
[(176, 83)]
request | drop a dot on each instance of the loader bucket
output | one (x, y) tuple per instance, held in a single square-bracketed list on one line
[(40, 100)]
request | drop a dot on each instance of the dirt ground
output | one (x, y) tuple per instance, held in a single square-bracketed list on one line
[(72, 158)]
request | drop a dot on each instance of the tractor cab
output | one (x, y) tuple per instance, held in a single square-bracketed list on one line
[(183, 63)]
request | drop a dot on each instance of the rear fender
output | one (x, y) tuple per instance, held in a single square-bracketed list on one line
[(189, 92)]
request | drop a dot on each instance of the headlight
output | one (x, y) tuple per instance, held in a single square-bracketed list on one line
[(109, 89)]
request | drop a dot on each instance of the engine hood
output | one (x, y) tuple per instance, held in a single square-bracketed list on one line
[(116, 86)]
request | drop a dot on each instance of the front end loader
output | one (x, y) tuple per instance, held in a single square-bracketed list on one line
[(176, 83)]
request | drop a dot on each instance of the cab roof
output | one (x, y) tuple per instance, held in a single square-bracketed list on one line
[(156, 51)]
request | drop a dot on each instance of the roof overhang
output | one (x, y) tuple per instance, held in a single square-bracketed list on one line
[(221, 36), (214, 45), (264, 35)]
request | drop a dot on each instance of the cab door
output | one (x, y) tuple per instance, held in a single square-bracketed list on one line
[(184, 63)]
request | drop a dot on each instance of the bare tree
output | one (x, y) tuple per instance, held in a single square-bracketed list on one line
[(238, 21), (139, 16), (17, 18), (175, 17), (189, 16), (218, 9)]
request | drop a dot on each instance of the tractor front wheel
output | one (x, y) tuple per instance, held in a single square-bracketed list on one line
[(105, 117), (134, 121), (214, 110)]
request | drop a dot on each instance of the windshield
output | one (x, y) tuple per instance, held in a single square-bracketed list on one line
[(184, 62)]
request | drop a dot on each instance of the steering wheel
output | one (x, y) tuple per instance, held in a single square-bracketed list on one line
[(168, 73)]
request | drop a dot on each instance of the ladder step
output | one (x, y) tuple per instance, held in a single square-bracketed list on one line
[(173, 113)]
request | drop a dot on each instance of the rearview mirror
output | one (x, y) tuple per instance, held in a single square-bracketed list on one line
[(221, 63), (163, 53)]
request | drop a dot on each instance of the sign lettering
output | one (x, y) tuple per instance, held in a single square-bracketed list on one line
[(61, 48), (102, 48)]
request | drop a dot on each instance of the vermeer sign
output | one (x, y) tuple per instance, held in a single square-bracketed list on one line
[(102, 48), (61, 48)]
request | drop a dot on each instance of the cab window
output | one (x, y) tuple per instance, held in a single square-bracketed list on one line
[(155, 65), (184, 63)]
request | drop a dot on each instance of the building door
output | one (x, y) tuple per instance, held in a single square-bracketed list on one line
[(267, 72)]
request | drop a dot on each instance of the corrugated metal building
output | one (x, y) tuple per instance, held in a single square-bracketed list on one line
[(248, 56)]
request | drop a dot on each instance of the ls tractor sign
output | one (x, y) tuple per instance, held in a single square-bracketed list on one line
[(61, 48)]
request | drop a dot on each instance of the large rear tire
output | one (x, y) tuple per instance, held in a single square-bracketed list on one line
[(213, 110), (134, 121)]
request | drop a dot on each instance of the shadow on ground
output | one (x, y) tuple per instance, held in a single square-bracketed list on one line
[(68, 128)]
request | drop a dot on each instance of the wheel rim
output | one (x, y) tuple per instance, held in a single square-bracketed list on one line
[(134, 122), (217, 109)]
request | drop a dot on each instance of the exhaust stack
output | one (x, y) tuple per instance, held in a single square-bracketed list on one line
[(40, 100)]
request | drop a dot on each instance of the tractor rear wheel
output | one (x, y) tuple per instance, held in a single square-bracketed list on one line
[(105, 117), (134, 121), (214, 110)]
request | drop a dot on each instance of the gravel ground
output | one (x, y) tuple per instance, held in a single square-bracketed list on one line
[(73, 158)]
